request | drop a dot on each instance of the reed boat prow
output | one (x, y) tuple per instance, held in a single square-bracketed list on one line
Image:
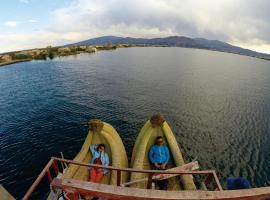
[(157, 126), (100, 132)]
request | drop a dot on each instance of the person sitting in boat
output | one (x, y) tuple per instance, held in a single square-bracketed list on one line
[(159, 156), (99, 157)]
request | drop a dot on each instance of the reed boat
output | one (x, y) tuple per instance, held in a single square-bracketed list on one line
[(100, 132), (73, 181), (154, 127)]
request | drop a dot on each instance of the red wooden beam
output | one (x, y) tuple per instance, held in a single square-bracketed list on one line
[(120, 193), (53, 162), (149, 181), (118, 177), (55, 167), (49, 175), (133, 170)]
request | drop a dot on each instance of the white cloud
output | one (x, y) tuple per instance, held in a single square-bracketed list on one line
[(12, 42), (228, 20), (32, 21), (241, 22), (255, 44), (11, 23)]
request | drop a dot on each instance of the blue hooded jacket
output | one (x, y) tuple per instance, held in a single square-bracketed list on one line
[(159, 154), (238, 183), (103, 156)]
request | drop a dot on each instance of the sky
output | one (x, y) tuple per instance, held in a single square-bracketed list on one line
[(26, 24)]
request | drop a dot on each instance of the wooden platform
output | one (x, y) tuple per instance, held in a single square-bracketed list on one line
[(76, 187), (123, 193), (4, 195)]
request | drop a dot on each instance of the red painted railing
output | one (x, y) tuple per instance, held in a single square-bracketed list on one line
[(54, 162)]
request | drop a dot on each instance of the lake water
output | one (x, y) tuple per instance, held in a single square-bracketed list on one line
[(218, 105)]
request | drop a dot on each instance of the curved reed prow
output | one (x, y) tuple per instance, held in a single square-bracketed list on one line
[(100, 132), (157, 126), (95, 125), (157, 120)]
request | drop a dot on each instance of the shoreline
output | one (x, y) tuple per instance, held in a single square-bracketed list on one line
[(14, 62), (102, 48)]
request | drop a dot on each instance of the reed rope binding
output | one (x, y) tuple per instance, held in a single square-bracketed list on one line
[(157, 120), (95, 125)]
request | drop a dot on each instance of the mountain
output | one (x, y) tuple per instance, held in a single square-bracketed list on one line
[(179, 41)]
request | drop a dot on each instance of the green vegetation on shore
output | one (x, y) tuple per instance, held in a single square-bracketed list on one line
[(112, 42), (52, 52)]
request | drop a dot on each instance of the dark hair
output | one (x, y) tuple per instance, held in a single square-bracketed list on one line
[(101, 145), (159, 137)]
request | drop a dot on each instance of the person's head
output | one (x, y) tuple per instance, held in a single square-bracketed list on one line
[(159, 140), (101, 147)]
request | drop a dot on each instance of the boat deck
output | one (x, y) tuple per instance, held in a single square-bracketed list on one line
[(84, 188), (121, 193)]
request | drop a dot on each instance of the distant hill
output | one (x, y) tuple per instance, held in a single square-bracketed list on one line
[(179, 41)]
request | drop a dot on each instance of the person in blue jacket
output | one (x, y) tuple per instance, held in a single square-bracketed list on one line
[(99, 157), (159, 156), (238, 183)]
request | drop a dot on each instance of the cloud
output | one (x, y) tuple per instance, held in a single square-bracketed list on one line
[(11, 23), (32, 21), (11, 42), (242, 22), (238, 22), (255, 44)]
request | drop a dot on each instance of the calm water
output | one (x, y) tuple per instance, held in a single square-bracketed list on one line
[(218, 105)]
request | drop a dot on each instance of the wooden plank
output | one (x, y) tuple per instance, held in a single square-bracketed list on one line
[(4, 194), (121, 193), (187, 167), (131, 169), (149, 182), (118, 178), (53, 159), (217, 181)]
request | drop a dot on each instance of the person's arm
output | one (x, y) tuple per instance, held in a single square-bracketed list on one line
[(106, 163), (167, 154), (93, 148), (151, 155)]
